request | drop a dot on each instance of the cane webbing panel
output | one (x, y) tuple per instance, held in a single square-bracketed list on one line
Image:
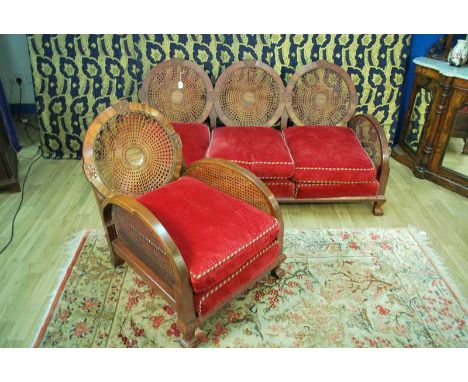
[(191, 103), (231, 182), (321, 93), (141, 240), (131, 149), (368, 137), (249, 93)]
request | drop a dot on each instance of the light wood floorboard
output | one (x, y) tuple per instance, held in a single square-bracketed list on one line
[(58, 202)]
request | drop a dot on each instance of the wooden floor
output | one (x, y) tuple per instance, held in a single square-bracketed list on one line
[(58, 202)]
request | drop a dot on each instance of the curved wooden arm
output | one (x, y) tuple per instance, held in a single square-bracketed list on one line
[(149, 248), (374, 141), (236, 181)]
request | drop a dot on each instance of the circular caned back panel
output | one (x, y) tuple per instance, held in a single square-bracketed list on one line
[(249, 93), (190, 102), (321, 93), (131, 149)]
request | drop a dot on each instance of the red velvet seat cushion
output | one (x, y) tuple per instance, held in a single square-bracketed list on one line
[(226, 289), (215, 232), (261, 150), (195, 139), (333, 189), (328, 153), (281, 188)]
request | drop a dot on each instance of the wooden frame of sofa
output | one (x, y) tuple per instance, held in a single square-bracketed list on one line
[(129, 242), (283, 112)]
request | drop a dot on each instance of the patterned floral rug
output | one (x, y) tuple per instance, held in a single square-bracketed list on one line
[(343, 288)]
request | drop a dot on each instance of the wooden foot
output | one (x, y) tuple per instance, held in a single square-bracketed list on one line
[(278, 272), (115, 260), (189, 340), (377, 210), (15, 187)]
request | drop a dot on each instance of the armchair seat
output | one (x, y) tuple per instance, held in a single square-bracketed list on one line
[(195, 139), (262, 150), (217, 234), (329, 154)]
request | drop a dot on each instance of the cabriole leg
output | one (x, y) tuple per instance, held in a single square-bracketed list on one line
[(189, 340), (377, 210), (278, 272)]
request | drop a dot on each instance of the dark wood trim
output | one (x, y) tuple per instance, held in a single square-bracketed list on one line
[(449, 95)]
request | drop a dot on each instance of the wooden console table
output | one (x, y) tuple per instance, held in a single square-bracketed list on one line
[(434, 140)]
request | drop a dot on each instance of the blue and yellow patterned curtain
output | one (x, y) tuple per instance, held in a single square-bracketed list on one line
[(77, 76)]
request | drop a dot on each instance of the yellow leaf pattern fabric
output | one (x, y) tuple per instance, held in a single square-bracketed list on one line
[(77, 76)]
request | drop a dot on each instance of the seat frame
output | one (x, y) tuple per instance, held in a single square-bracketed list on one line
[(133, 232)]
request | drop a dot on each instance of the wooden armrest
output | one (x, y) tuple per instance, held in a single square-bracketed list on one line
[(236, 181), (141, 240), (374, 141)]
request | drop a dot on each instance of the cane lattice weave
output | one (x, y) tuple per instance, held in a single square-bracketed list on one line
[(321, 93), (364, 129), (180, 90), (249, 93), (232, 182), (132, 149), (143, 243)]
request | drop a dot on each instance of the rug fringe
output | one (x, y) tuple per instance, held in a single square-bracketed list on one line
[(422, 238), (68, 250)]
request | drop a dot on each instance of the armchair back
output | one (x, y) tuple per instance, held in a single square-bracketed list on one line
[(131, 149)]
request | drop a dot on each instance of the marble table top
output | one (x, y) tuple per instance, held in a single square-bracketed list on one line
[(443, 67)]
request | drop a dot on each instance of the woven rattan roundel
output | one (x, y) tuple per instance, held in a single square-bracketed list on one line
[(249, 93), (131, 149), (180, 90), (321, 93)]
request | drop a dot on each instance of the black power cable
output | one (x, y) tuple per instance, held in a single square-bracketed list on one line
[(21, 202)]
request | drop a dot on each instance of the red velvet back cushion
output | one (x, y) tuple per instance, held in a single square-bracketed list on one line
[(195, 139)]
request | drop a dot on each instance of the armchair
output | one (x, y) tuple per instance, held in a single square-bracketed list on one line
[(200, 239)]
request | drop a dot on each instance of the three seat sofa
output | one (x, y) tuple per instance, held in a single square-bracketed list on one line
[(304, 140)]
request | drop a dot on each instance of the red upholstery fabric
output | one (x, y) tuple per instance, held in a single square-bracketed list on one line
[(261, 150), (215, 232), (206, 301), (281, 188), (195, 139), (321, 190), (328, 153)]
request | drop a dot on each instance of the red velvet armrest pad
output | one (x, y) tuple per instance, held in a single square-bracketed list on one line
[(195, 139)]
